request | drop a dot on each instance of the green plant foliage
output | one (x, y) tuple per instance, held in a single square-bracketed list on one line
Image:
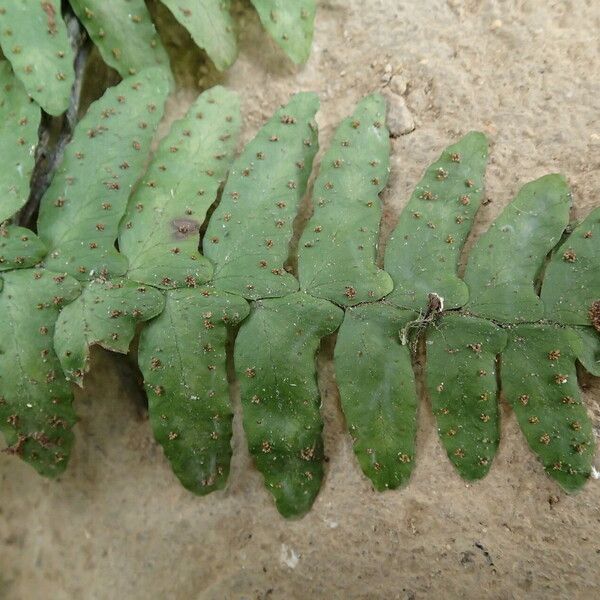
[(162, 224), (34, 39), (36, 415), (123, 32), (259, 204), (377, 391), (589, 355), (572, 279), (291, 24), (211, 26), (423, 252), (540, 382), (185, 303), (275, 360), (462, 386), (182, 357), (20, 248), (19, 121), (81, 210), (504, 261), (106, 313), (338, 248)]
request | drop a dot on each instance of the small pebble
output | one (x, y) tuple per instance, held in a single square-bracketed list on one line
[(398, 85), (399, 119)]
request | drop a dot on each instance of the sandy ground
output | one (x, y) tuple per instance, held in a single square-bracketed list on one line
[(118, 524)]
